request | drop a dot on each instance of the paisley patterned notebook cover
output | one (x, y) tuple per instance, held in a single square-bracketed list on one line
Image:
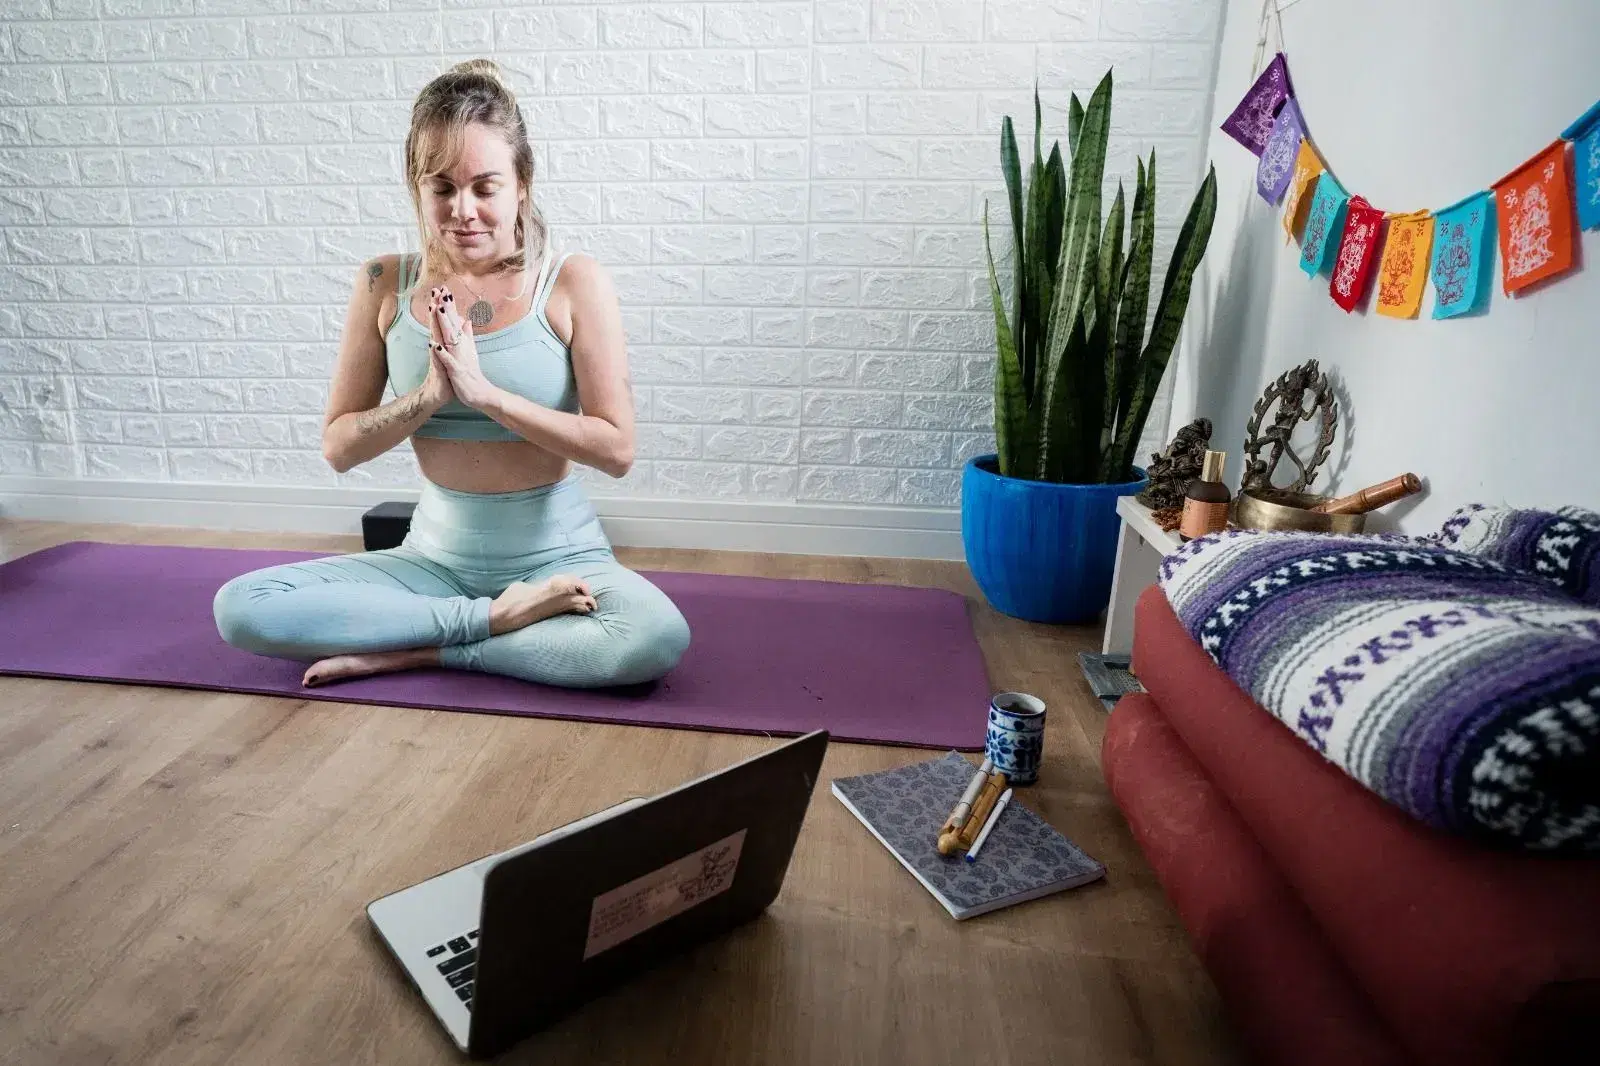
[(1024, 858)]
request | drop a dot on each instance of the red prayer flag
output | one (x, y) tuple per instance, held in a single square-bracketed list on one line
[(1535, 202), (1358, 250)]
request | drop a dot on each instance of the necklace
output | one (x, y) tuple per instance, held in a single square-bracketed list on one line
[(481, 313)]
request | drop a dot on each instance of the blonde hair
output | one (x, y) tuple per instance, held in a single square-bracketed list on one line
[(469, 92)]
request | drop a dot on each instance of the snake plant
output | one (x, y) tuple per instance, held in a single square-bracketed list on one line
[(1075, 375)]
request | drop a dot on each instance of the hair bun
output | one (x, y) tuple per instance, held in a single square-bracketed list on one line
[(486, 68)]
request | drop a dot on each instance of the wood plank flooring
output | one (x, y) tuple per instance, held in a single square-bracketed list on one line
[(183, 876)]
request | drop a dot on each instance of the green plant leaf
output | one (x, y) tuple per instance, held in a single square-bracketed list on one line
[(1080, 239), (1038, 125), (1090, 377), (1061, 458), (1074, 123), (1138, 198), (1010, 166), (1191, 246), (1042, 237), (1080, 245), (1013, 429), (1028, 338), (1108, 291), (1135, 309)]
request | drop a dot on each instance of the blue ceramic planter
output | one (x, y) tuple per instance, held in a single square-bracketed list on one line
[(1040, 551)]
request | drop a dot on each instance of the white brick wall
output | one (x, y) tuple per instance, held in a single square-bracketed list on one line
[(789, 195)]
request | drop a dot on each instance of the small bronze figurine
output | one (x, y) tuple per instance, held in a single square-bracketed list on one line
[(1290, 393), (1171, 471)]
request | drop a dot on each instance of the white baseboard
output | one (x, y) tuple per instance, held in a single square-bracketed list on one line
[(797, 529)]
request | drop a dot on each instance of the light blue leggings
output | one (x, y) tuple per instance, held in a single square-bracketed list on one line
[(435, 589)]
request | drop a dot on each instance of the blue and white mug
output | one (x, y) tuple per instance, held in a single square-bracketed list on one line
[(1014, 741)]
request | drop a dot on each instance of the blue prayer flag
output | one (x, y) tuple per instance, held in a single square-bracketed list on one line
[(1324, 225), (1461, 245), (1585, 137)]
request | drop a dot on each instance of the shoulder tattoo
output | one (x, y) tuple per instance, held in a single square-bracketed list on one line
[(374, 272)]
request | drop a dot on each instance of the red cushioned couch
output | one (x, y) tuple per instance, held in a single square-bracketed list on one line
[(1338, 929)]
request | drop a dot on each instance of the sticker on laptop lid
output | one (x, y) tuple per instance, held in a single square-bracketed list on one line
[(625, 912)]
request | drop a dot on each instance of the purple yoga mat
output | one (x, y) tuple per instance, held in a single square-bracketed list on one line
[(870, 663)]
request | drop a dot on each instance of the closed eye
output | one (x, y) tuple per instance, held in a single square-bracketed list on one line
[(484, 191)]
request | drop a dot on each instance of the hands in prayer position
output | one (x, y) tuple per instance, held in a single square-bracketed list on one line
[(454, 369)]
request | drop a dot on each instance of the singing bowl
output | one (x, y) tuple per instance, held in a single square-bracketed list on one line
[(1291, 510)]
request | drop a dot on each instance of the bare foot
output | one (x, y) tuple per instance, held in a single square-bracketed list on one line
[(345, 667), (523, 604)]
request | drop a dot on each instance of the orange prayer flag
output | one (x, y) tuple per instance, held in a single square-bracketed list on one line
[(1307, 165), (1404, 267), (1535, 202)]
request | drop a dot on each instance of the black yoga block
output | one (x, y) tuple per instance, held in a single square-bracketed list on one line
[(386, 525)]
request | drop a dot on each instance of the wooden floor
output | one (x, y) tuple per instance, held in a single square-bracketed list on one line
[(183, 876)]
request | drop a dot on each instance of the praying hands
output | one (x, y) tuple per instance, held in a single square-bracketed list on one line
[(454, 351)]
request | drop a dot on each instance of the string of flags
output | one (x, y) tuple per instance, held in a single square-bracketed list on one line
[(1527, 216)]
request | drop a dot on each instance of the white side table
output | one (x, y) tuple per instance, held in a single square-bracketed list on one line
[(1141, 544)]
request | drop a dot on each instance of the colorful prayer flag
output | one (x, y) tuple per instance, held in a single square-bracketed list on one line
[(1404, 267), (1460, 244), (1357, 250), (1251, 121), (1535, 211), (1585, 137), (1277, 159), (1324, 223), (1307, 166)]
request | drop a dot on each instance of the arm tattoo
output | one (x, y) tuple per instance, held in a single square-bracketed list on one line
[(374, 272), (399, 411)]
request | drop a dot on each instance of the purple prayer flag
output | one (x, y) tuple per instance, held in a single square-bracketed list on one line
[(1251, 122), (1276, 168)]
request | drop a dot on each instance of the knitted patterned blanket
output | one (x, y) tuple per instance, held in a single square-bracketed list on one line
[(1457, 675)]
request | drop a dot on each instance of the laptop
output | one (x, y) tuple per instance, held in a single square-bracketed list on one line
[(501, 947)]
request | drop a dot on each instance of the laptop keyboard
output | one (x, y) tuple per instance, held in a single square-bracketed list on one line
[(457, 959)]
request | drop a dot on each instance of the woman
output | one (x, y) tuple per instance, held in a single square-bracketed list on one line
[(507, 369)]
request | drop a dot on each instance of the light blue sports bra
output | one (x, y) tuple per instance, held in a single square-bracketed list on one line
[(525, 358)]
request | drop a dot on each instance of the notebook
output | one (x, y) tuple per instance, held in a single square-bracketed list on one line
[(1023, 859)]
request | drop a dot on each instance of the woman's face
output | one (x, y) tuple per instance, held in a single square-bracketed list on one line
[(472, 207)]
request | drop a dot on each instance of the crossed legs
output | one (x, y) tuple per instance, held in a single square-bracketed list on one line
[(583, 621)]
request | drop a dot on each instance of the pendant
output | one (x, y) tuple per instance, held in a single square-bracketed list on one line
[(481, 313)]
